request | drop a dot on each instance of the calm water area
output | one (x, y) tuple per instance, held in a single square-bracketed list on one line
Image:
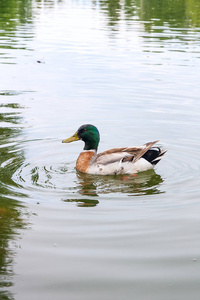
[(131, 68)]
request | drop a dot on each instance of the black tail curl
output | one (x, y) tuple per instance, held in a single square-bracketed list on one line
[(154, 155)]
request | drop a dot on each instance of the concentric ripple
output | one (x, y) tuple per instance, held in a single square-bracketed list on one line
[(179, 172), (182, 170), (51, 175), (47, 172), (40, 176)]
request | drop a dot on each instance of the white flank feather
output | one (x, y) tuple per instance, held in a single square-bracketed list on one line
[(120, 168)]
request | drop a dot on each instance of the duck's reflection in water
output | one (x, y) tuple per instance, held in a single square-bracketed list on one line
[(93, 186), (84, 202)]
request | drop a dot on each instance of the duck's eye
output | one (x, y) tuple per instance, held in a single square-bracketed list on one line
[(82, 131)]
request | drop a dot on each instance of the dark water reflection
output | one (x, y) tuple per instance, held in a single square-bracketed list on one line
[(14, 15), (11, 210), (11, 157), (146, 183), (175, 14), (11, 221), (83, 202)]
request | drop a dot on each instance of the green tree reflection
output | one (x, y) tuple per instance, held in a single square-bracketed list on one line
[(14, 13), (145, 183), (176, 14), (10, 221), (11, 210), (193, 11), (113, 9)]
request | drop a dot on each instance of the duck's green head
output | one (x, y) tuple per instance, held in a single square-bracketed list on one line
[(87, 133)]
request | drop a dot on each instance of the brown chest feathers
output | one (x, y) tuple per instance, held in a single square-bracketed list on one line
[(83, 161)]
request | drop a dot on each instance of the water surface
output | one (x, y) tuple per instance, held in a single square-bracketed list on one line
[(132, 69)]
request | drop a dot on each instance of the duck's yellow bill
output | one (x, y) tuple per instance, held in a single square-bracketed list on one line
[(73, 138)]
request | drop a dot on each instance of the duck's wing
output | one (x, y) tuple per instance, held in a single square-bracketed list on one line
[(125, 154)]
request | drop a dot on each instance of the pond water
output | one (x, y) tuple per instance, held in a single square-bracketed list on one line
[(131, 68)]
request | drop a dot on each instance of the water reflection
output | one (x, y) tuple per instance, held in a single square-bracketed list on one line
[(87, 184), (175, 14), (46, 3), (179, 13), (113, 9), (11, 211), (11, 158), (82, 188), (145, 183), (13, 14), (11, 221), (84, 202), (90, 187)]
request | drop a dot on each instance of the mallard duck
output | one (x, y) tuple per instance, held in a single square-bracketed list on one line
[(126, 160)]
